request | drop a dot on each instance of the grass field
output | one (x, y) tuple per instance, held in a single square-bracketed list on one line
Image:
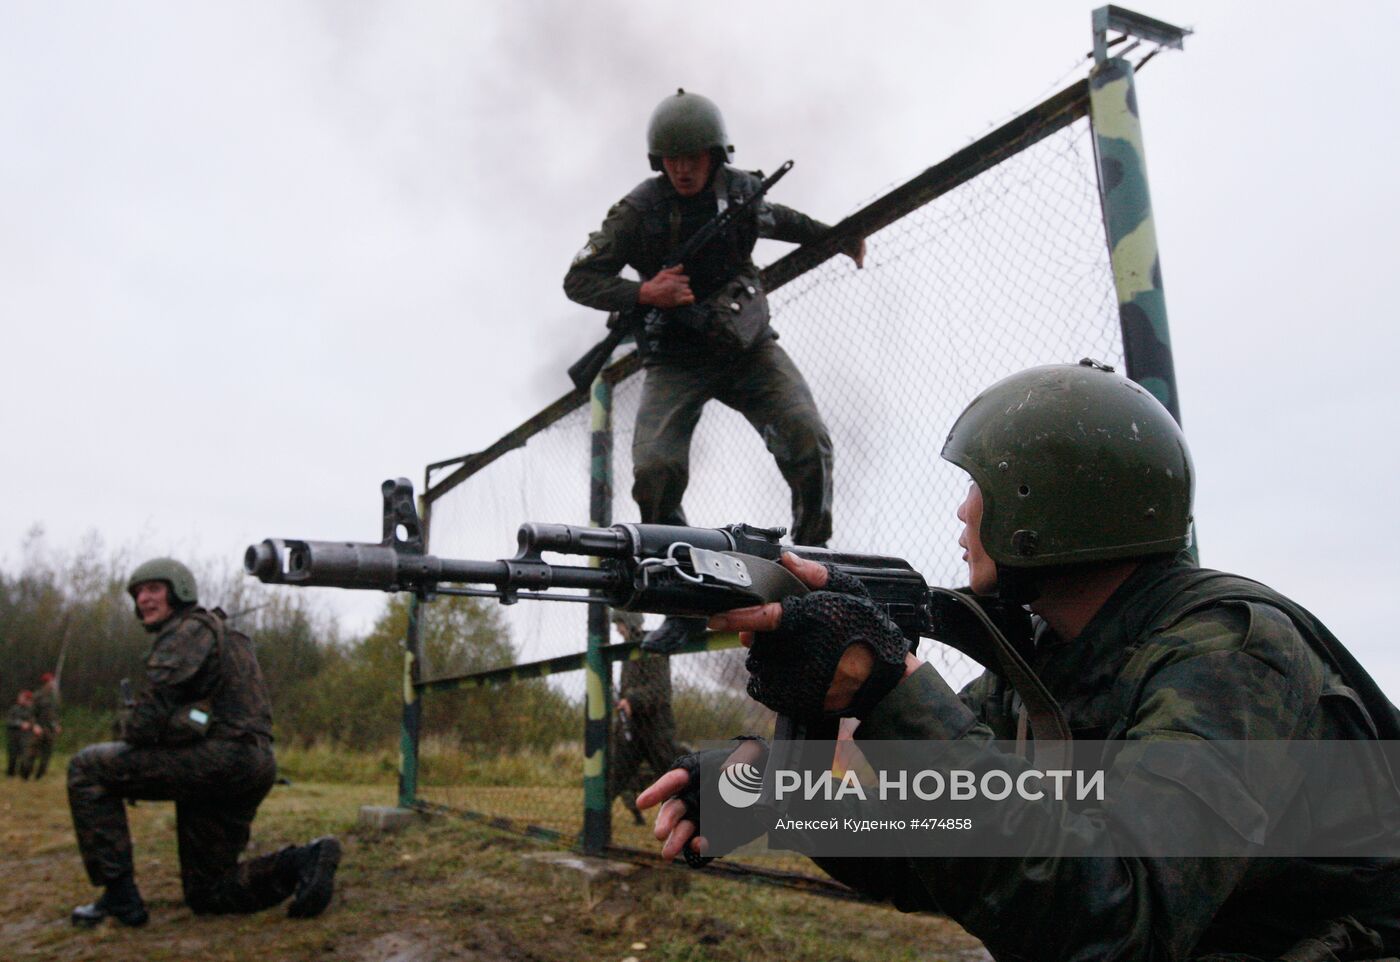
[(443, 890)]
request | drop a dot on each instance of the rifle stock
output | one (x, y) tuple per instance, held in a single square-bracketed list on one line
[(586, 369)]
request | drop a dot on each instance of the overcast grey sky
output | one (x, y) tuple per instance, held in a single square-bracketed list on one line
[(255, 258)]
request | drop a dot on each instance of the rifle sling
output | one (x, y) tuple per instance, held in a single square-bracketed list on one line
[(1047, 723)]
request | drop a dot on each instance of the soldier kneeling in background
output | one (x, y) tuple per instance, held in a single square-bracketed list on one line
[(199, 734)]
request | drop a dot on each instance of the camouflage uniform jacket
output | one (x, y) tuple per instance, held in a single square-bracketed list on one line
[(1176, 652), (642, 229), (196, 658), (19, 715), (46, 709), (646, 684)]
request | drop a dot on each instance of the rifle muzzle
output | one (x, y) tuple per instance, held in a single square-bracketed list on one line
[(330, 564)]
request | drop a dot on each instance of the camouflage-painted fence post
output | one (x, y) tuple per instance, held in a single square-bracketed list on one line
[(1121, 160), (411, 726), (597, 808), (1132, 236)]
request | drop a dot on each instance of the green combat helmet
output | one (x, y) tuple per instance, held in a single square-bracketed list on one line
[(686, 124), (1075, 464), (183, 590)]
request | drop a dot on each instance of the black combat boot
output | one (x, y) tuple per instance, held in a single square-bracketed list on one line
[(316, 865), (674, 632), (121, 900)]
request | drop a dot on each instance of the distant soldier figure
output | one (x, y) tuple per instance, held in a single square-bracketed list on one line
[(713, 340), (199, 734), (44, 731), (18, 723), (645, 732)]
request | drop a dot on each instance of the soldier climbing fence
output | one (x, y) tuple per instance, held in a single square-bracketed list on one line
[(1032, 245)]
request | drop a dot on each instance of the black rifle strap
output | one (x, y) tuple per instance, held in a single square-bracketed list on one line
[(771, 581), (1047, 722)]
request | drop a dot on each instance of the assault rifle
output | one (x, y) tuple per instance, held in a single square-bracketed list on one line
[(583, 371), (665, 569)]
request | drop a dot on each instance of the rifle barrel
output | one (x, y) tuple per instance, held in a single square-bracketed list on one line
[(342, 564)]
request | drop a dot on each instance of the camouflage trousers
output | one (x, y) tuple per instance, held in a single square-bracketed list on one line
[(16, 743), (649, 746), (767, 389), (216, 786), (34, 760)]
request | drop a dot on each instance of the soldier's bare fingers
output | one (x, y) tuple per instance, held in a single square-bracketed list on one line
[(671, 815), (756, 618), (746, 639), (813, 574), (675, 842), (663, 788)]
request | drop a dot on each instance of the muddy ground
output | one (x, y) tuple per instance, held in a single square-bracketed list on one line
[(442, 890)]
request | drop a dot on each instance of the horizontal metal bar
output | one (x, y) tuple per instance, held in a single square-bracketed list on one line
[(1140, 25)]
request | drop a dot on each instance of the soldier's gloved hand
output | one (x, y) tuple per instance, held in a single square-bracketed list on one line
[(726, 783), (846, 665), (793, 668)]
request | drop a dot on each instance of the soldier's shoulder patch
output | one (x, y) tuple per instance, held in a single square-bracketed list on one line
[(588, 250)]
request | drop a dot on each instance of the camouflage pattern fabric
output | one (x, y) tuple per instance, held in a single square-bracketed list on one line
[(646, 684), (1159, 660), (694, 358), (643, 228), (16, 735), (197, 658), (216, 785), (764, 386), (34, 761), (216, 782)]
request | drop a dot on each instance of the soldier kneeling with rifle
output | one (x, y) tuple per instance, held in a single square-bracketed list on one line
[(199, 734)]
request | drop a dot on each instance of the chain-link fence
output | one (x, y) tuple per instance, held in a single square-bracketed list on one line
[(989, 262)]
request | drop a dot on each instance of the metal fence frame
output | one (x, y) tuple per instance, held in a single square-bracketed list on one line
[(1108, 98)]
